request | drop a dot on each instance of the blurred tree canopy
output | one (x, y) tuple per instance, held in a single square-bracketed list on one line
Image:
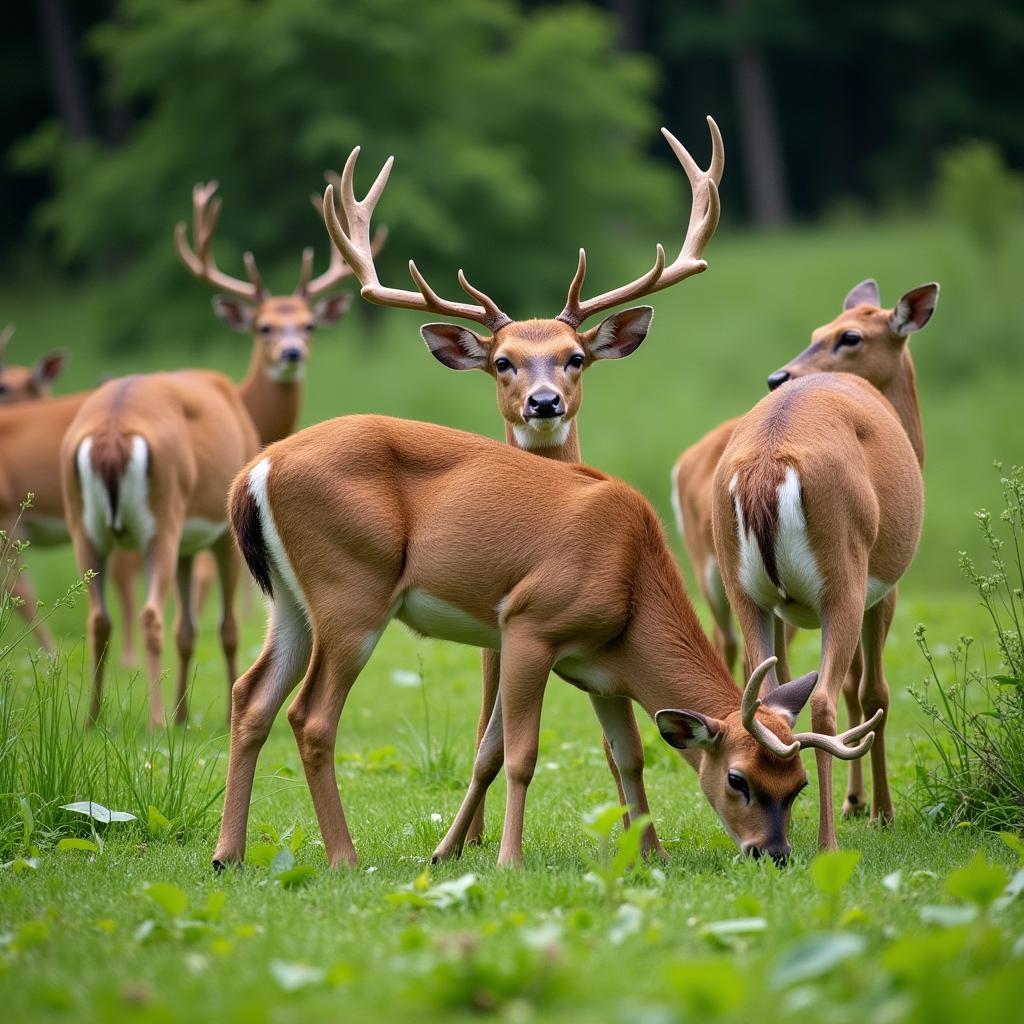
[(521, 128), (510, 131)]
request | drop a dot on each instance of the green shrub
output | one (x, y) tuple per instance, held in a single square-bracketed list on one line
[(976, 715)]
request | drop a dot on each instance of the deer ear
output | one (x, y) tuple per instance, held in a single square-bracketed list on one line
[(688, 730), (790, 698), (49, 367), (457, 347), (237, 315), (863, 294), (620, 334), (331, 309), (914, 310)]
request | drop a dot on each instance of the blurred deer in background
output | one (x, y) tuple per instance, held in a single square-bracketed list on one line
[(538, 367), (21, 383), (818, 502)]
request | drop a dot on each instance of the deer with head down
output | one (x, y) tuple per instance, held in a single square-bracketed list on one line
[(538, 366), (818, 502), (579, 582)]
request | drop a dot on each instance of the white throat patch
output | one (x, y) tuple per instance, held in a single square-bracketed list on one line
[(537, 434)]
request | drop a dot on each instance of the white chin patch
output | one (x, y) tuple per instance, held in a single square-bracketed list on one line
[(542, 433), (287, 373)]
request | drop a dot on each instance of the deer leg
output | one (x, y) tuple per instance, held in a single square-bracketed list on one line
[(161, 562), (228, 567), (491, 671), (758, 628), (28, 607), (99, 618), (781, 645), (622, 737), (714, 593), (123, 568), (874, 694), (840, 629), (206, 571), (490, 753), (255, 701), (525, 664), (184, 635), (855, 802)]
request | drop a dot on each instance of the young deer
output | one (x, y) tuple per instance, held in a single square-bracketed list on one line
[(818, 504), (281, 328), (580, 582), (146, 464), (22, 383), (537, 365)]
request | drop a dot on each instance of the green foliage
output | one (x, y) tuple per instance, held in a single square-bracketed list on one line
[(976, 718), (512, 149), (977, 191), (609, 868)]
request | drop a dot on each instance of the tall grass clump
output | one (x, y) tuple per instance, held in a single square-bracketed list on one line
[(167, 780), (975, 712)]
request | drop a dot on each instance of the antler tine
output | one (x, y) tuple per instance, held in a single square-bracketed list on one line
[(352, 238), (704, 213), (305, 268), (199, 261), (838, 746), (253, 274), (5, 338), (749, 704)]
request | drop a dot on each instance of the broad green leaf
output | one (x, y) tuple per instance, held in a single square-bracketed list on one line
[(601, 821), (919, 955), (97, 812), (213, 907), (268, 830), (707, 988), (167, 896), (735, 926), (284, 860), (816, 956), (831, 871), (949, 917), (28, 821), (156, 823), (978, 882), (78, 844), (261, 854), (296, 839), (295, 976), (295, 878), (1015, 843)]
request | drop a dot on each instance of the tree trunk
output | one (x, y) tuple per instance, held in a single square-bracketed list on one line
[(759, 131), (65, 74)]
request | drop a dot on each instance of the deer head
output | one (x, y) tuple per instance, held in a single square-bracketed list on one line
[(747, 761), (537, 365), (281, 324), (20, 383)]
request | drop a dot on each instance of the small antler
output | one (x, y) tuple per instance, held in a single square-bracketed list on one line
[(5, 339), (704, 213), (349, 227), (338, 269), (200, 261), (837, 746)]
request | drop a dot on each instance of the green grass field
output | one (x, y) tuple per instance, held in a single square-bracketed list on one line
[(907, 937)]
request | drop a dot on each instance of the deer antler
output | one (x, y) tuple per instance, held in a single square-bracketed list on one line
[(205, 212), (704, 213), (835, 745), (5, 339), (349, 227), (338, 269)]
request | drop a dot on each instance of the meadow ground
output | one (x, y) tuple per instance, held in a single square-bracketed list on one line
[(142, 930)]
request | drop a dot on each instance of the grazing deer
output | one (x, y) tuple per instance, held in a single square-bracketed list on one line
[(580, 581), (146, 464), (537, 365), (281, 328), (818, 504), (22, 383)]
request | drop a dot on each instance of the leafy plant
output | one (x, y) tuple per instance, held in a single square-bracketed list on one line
[(975, 719), (608, 869)]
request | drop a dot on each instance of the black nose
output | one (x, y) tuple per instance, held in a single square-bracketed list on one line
[(544, 404), (777, 378), (291, 355)]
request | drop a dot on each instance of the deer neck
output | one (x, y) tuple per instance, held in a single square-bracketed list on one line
[(567, 451), (902, 395), (667, 659), (273, 405)]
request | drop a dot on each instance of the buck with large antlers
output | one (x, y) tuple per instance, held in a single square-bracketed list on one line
[(580, 581), (536, 364), (818, 503)]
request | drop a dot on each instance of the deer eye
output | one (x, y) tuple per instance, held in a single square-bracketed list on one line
[(739, 784), (310, 327), (576, 360), (3, 388), (502, 365), (848, 339), (265, 328)]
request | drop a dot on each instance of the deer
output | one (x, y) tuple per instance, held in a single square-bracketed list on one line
[(537, 365), (146, 464), (579, 581), (818, 503), (281, 327), (23, 383)]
